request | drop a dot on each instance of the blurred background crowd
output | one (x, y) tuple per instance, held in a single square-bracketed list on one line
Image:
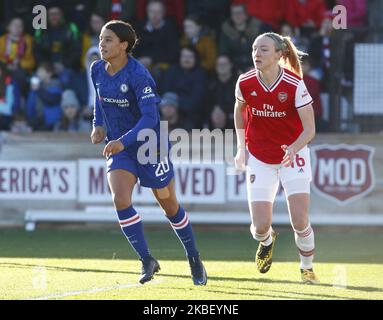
[(195, 50)]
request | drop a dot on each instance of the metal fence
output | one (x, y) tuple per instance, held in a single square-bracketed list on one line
[(355, 96)]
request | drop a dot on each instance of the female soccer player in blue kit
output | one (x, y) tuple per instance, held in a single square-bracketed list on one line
[(127, 102)]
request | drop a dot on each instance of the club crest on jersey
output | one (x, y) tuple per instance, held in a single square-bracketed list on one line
[(252, 178), (282, 96), (124, 88)]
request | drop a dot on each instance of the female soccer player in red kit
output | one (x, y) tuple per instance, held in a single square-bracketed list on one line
[(273, 146)]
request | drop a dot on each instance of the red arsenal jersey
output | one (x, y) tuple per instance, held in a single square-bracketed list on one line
[(273, 118)]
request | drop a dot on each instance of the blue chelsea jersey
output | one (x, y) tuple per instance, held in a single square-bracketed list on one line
[(122, 99)]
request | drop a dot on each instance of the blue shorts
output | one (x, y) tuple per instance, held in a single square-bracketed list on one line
[(155, 176)]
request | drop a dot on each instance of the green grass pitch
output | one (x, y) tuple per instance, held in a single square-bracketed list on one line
[(64, 263)]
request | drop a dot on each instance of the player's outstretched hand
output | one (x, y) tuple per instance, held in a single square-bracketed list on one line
[(240, 159), (288, 158), (113, 147), (97, 135)]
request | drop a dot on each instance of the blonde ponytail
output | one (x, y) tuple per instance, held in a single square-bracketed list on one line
[(291, 57), (290, 54)]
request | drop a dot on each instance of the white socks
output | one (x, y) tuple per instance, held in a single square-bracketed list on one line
[(264, 238), (306, 244)]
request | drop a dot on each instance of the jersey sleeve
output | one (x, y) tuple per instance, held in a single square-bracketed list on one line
[(97, 114), (238, 92), (302, 96), (147, 100), (146, 92)]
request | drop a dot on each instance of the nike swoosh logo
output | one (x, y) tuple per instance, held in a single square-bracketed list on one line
[(162, 179)]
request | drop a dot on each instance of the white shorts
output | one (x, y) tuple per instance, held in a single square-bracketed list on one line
[(262, 179)]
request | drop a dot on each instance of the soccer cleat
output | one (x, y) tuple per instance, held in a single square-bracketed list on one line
[(149, 267), (264, 255), (308, 276), (198, 271)]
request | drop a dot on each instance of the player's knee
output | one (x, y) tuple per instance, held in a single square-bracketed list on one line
[(259, 231), (300, 224), (262, 230), (170, 208), (121, 201)]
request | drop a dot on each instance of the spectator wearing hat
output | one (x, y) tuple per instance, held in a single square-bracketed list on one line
[(169, 108), (70, 120)]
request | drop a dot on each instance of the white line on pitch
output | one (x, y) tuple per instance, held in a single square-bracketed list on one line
[(94, 290)]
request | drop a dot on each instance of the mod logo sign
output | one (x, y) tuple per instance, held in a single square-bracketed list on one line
[(343, 173)]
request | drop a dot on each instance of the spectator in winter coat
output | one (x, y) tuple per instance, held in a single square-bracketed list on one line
[(59, 44), (43, 103), (196, 35), (16, 51), (237, 36), (219, 98), (188, 80), (159, 44)]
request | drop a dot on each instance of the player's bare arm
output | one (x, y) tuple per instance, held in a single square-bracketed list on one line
[(239, 159)]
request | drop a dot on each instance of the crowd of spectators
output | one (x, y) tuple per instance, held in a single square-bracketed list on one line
[(195, 50)]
